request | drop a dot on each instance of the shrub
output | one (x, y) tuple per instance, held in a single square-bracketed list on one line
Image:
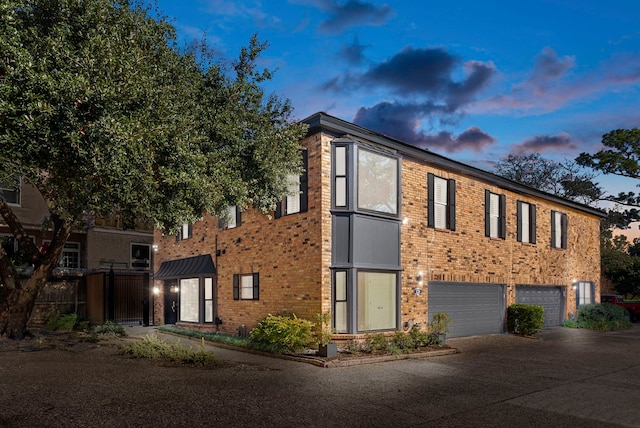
[(110, 328), (225, 339), (281, 334), (525, 320), (64, 322), (376, 342), (602, 317), (152, 347), (421, 338)]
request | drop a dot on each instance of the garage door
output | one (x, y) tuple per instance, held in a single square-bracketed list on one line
[(549, 297), (474, 308)]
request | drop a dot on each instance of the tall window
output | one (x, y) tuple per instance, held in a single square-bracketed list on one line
[(297, 198), (340, 171), (70, 257), (185, 231), (495, 207), (10, 192), (526, 222), (558, 229), (441, 207), (230, 219), (208, 300), (584, 292), (376, 301), (377, 182), (190, 300), (340, 301), (246, 286)]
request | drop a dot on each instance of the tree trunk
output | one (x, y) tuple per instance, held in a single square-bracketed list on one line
[(19, 305)]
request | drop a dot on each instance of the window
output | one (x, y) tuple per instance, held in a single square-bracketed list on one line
[(185, 232), (297, 199), (340, 301), (246, 287), (441, 201), (377, 293), (495, 207), (526, 222), (377, 182), (140, 256), (190, 300), (584, 292), (70, 257), (340, 171), (10, 192), (208, 300), (230, 219), (558, 230)]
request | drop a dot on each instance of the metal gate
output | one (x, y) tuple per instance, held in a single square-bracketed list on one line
[(119, 297)]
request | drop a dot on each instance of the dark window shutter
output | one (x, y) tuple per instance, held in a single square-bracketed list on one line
[(503, 216), (221, 224), (532, 224), (236, 286), (563, 239), (451, 208), (519, 219), (487, 213), (553, 229), (304, 183), (238, 216), (256, 286), (278, 212), (190, 230), (431, 222)]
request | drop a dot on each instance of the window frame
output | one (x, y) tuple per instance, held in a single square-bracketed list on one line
[(579, 285), (491, 218), (559, 237), (233, 212), (521, 207), (133, 260), (13, 189), (393, 305), (395, 193), (282, 207), (182, 301), (185, 227), (450, 206), (341, 300), (237, 286)]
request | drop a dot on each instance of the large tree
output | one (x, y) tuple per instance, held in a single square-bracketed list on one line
[(620, 156), (103, 113), (565, 179)]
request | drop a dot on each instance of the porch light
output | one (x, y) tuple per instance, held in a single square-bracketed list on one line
[(419, 278), (155, 247), (156, 290), (405, 220)]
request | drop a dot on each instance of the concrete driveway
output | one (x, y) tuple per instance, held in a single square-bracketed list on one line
[(567, 378)]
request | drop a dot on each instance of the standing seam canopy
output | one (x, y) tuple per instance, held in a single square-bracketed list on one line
[(197, 266)]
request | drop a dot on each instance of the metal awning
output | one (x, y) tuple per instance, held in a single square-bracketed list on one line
[(191, 266)]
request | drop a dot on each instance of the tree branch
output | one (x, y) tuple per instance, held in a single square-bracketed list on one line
[(26, 244)]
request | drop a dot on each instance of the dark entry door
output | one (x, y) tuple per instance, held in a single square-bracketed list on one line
[(170, 302)]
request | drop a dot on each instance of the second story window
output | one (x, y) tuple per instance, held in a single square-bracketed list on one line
[(10, 192), (441, 202), (185, 232), (495, 207), (140, 256), (231, 219), (526, 222), (558, 230), (297, 198)]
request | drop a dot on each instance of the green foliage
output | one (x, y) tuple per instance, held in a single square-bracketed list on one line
[(64, 322), (525, 320), (421, 338), (110, 328), (439, 324), (376, 342), (322, 328), (152, 347), (622, 269), (225, 339), (602, 317), (281, 334)]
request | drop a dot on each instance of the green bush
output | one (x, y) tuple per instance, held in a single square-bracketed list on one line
[(110, 328), (376, 342), (525, 320), (421, 338), (602, 317), (281, 334), (152, 347), (64, 322), (225, 339)]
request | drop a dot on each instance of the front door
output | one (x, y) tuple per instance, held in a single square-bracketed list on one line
[(170, 302)]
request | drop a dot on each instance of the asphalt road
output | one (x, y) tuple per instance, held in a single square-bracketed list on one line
[(569, 377)]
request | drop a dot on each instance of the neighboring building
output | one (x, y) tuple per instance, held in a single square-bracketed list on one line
[(82, 283), (383, 235)]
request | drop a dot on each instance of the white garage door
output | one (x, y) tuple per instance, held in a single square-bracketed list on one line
[(475, 308), (549, 297)]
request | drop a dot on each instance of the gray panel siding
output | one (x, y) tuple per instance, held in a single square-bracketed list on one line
[(376, 242), (340, 240), (549, 297), (474, 308)]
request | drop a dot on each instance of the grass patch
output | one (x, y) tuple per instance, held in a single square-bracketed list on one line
[(154, 348), (225, 339)]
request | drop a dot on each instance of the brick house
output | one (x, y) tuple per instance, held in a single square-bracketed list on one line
[(104, 271), (383, 235)]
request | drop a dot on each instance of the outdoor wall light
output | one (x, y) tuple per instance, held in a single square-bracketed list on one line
[(405, 220), (417, 291), (156, 290), (419, 278), (155, 247), (174, 289)]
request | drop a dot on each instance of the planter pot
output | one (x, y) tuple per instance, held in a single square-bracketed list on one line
[(327, 351)]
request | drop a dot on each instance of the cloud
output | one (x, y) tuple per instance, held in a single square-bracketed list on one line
[(545, 143), (235, 9), (352, 13), (353, 53), (403, 122)]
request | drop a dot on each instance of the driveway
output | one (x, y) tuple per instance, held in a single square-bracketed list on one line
[(568, 377)]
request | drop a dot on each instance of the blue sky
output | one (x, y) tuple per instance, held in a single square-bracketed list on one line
[(470, 80)]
